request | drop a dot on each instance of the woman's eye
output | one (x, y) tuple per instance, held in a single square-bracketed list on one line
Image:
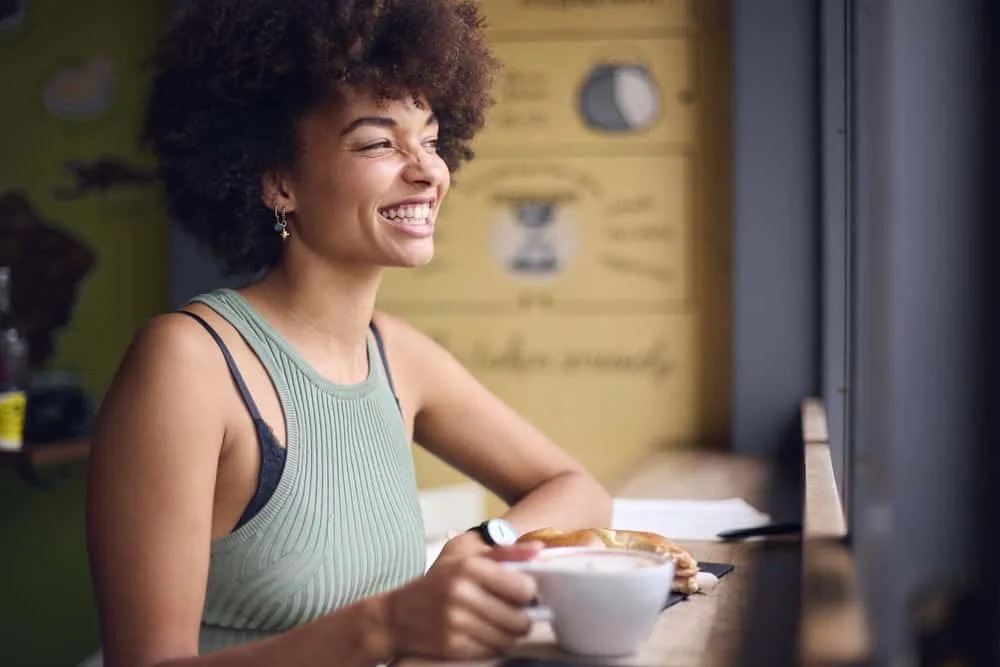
[(431, 144), (376, 145)]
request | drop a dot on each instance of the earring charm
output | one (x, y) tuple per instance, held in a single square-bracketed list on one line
[(281, 223)]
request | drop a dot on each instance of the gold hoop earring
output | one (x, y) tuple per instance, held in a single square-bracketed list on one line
[(281, 222)]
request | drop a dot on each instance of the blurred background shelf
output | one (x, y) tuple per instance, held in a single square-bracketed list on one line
[(30, 462)]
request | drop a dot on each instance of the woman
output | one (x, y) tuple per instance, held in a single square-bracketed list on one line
[(252, 498)]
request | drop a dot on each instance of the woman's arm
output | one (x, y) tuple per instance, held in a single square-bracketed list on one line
[(151, 487), (150, 496), (464, 424)]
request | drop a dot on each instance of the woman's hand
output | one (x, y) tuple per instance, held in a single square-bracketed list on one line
[(463, 545), (464, 608)]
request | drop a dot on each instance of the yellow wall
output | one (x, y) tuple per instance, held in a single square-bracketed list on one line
[(46, 611), (624, 349)]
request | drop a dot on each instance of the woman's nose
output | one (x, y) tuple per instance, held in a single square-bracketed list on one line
[(420, 168)]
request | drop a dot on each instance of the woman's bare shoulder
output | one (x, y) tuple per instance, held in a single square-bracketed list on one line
[(172, 369)]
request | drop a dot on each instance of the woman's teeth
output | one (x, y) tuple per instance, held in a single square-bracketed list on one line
[(410, 215)]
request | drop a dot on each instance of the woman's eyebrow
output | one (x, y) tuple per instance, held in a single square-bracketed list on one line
[(378, 121)]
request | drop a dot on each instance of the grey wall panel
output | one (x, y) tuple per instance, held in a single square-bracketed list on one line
[(776, 214)]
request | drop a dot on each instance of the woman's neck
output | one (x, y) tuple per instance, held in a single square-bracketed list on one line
[(318, 306)]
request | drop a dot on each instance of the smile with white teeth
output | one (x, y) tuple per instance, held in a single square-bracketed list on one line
[(410, 214)]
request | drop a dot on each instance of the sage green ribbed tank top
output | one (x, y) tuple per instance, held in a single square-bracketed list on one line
[(344, 522)]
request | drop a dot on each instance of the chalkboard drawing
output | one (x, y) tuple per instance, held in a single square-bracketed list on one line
[(534, 238), (12, 14), (619, 97), (80, 92)]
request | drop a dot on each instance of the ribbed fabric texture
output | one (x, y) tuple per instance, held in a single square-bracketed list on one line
[(344, 522)]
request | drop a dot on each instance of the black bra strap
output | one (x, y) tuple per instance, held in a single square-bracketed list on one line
[(233, 370), (385, 361)]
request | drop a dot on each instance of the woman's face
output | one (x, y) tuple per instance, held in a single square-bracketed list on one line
[(369, 185)]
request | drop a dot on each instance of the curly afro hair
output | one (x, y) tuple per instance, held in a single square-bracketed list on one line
[(233, 78)]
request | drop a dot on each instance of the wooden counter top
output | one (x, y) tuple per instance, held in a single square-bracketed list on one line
[(705, 630), (833, 627)]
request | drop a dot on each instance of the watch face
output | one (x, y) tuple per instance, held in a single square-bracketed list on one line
[(501, 532)]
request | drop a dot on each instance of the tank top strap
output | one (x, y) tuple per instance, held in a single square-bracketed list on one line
[(234, 371), (385, 361)]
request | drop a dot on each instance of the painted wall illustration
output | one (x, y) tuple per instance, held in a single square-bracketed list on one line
[(80, 215), (619, 97), (74, 88), (582, 260), (50, 264)]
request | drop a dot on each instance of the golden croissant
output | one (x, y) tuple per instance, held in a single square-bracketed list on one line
[(685, 567)]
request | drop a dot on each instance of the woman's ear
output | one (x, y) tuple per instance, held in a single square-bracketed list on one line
[(275, 194)]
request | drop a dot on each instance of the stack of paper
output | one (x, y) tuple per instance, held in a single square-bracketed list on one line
[(695, 520), (685, 519)]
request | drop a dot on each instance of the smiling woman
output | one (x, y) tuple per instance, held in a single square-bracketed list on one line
[(243, 89), (372, 165), (251, 497)]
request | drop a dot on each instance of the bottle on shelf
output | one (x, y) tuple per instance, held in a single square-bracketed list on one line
[(13, 370)]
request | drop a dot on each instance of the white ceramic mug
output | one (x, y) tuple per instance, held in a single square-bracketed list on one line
[(601, 602)]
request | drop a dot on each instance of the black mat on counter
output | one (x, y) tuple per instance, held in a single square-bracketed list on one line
[(718, 569)]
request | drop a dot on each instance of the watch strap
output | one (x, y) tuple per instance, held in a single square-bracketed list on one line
[(483, 533)]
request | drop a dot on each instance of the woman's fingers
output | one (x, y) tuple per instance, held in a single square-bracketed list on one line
[(513, 587), (468, 622), (497, 612), (464, 608), (516, 552)]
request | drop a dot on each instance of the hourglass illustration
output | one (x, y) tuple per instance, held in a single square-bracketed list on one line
[(534, 239)]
